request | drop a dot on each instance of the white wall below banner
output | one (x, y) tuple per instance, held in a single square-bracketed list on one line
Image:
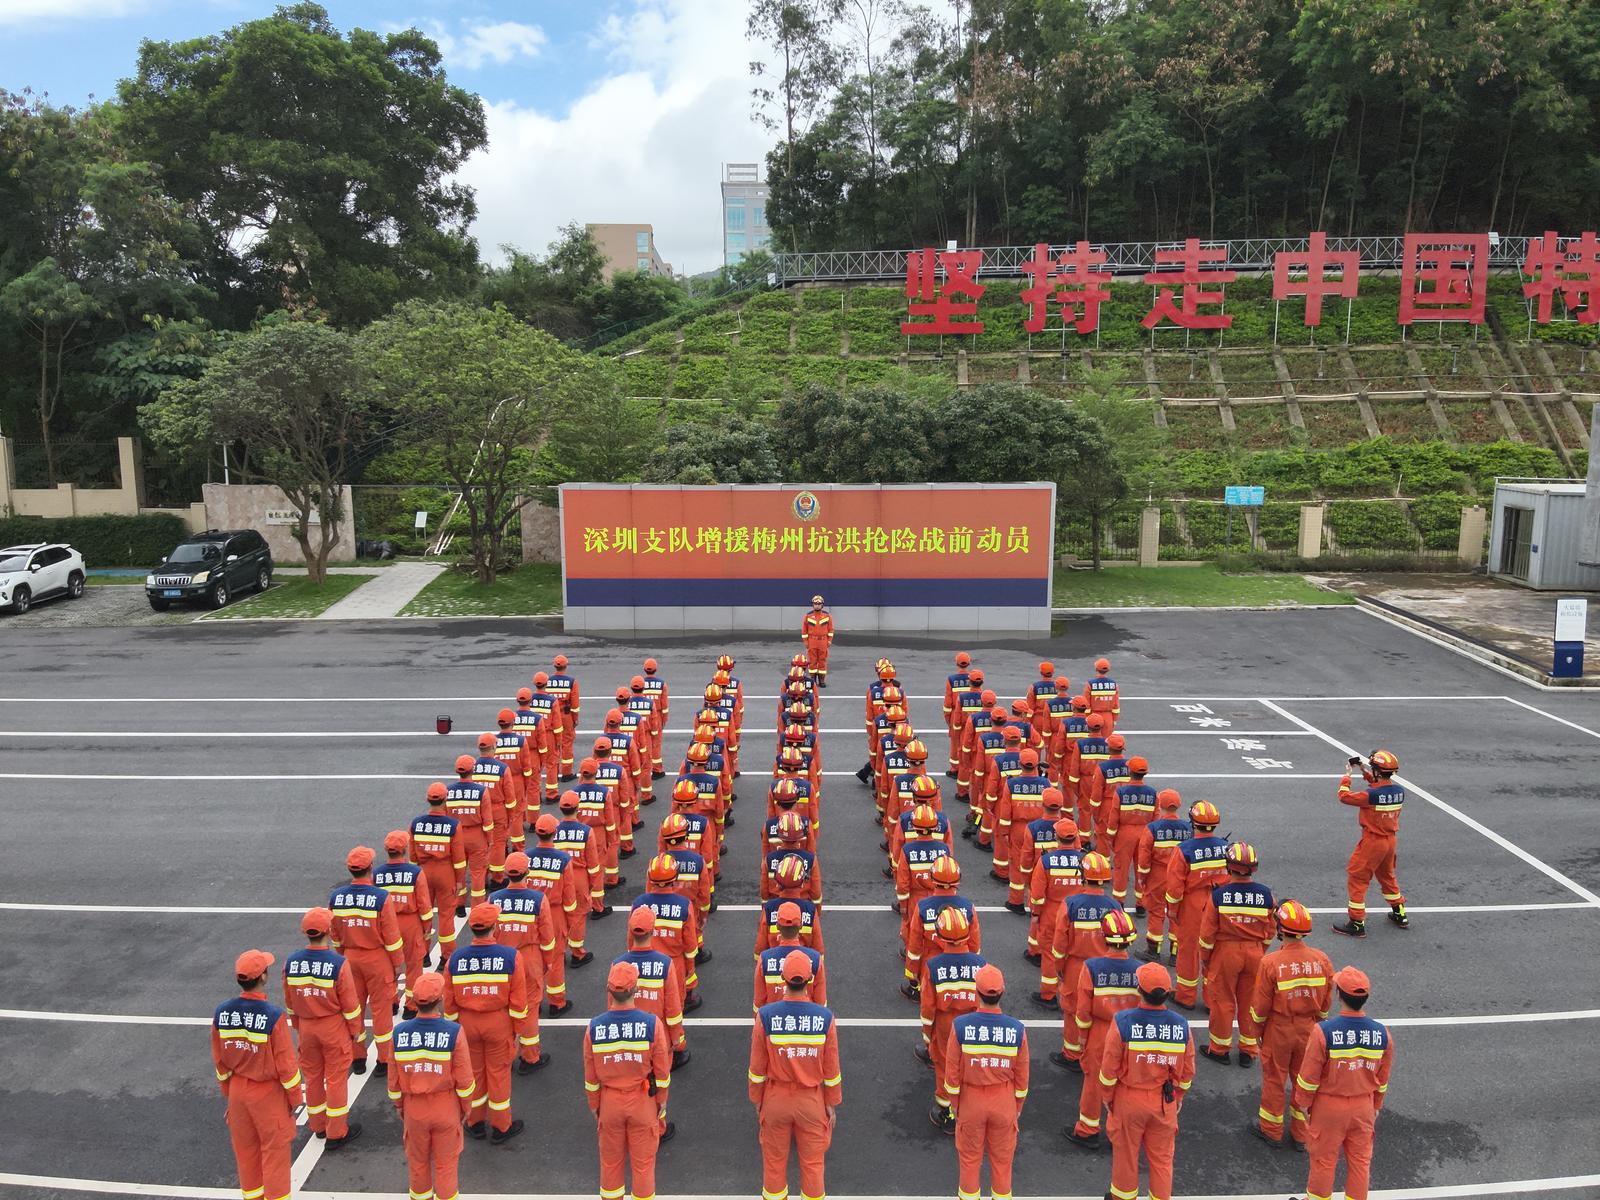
[(267, 510)]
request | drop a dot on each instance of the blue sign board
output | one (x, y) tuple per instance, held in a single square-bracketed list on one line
[(1251, 497)]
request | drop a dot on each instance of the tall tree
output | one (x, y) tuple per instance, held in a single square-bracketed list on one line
[(291, 392), (323, 167), (482, 389)]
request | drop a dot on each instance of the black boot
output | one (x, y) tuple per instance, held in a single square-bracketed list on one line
[(506, 1134), (1352, 929), (351, 1133)]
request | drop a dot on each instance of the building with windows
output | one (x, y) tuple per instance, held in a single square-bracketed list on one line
[(744, 211), (628, 248)]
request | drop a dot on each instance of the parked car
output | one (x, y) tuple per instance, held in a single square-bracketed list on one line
[(211, 568), (39, 571)]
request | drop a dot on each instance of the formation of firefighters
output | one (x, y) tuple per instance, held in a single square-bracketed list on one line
[(505, 891)]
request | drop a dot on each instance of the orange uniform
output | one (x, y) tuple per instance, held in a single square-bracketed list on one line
[(1374, 854), (949, 990), (1104, 698), (677, 930), (469, 804), (1021, 802), (553, 727), (795, 1084), (366, 932), (413, 906), (1294, 990), (769, 983), (431, 1086), (1076, 940), (1106, 986), (769, 931), (817, 630), (986, 1079), (1340, 1086), (528, 926), (1128, 811), (437, 847), (486, 991), (913, 876), (565, 689), (319, 995), (1057, 875), (954, 685), (520, 783), (1158, 842), (1195, 868), (496, 777), (259, 1073), (659, 991), (578, 840), (627, 1070), (1145, 1069), (1233, 937), (556, 874), (920, 943)]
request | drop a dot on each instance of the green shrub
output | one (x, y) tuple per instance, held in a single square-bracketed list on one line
[(1439, 518), (765, 330), (821, 370), (111, 541), (1279, 525), (645, 375), (817, 332), (1373, 525), (711, 334), (1198, 473), (1208, 526), (699, 378)]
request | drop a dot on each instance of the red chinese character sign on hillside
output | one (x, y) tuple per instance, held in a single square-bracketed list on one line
[(1193, 278), (1444, 277), (1315, 263), (1573, 270), (929, 299), (1071, 282)]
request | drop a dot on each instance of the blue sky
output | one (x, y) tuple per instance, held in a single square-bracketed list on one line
[(617, 110)]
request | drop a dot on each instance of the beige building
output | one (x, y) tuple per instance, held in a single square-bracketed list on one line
[(629, 248)]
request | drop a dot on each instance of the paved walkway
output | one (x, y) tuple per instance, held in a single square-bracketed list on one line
[(386, 593)]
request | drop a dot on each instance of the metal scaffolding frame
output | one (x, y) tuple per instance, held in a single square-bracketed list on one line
[(1251, 255)]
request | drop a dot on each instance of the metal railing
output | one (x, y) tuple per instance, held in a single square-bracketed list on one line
[(1251, 255)]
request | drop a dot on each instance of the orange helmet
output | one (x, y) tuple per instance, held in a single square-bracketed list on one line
[(916, 750), (704, 735), (798, 660), (791, 871), (674, 827), (923, 787), (699, 752), (1096, 867), (797, 709), (663, 869), (685, 792), (1242, 858), (952, 925), (923, 817), (791, 827), (724, 662), (784, 789), (946, 870), (885, 669), (722, 679), (706, 716), (1293, 917), (893, 693), (1117, 928), (895, 712), (1382, 760), (1204, 813), (903, 733), (713, 693)]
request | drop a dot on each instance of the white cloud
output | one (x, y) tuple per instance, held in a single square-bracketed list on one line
[(475, 44), (644, 143)]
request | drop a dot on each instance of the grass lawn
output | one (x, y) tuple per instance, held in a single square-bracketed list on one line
[(292, 596), (529, 590), (1182, 587)]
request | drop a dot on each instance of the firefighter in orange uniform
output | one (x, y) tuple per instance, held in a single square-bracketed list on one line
[(1102, 695), (1157, 844), (496, 778), (1379, 803), (1197, 864), (575, 838), (319, 994), (1340, 1089), (1146, 1070), (986, 1078), (565, 689), (791, 881), (1233, 938), (366, 933), (817, 629), (795, 1084), (413, 904), (527, 925), (256, 1065), (677, 928), (1127, 810), (468, 802), (656, 688), (1106, 985), (949, 990), (1294, 990), (484, 990), (769, 985), (514, 748), (437, 847), (955, 683), (432, 1091), (660, 989), (627, 1070), (1057, 874)]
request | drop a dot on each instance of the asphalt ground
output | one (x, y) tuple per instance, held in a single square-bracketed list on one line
[(139, 771)]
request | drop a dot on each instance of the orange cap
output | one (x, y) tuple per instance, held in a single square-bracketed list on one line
[(637, 683), (588, 767), (1019, 707), (989, 981), (546, 824), (623, 977), (613, 717), (1169, 800), (570, 801), (789, 913), (1029, 757), (1138, 765), (252, 964), (1066, 829), (602, 746), (976, 676), (1063, 684), (524, 695), (465, 762), (963, 659), (1102, 665), (642, 920), (1012, 734), (396, 840), (483, 915), (316, 922), (1052, 798), (560, 662), (1047, 669), (486, 741), (997, 713), (505, 717), (428, 988), (1152, 978), (797, 967), (1352, 981), (540, 679), (1116, 742), (360, 858), (517, 863), (650, 665), (1096, 722), (988, 698), (1079, 704), (437, 791)]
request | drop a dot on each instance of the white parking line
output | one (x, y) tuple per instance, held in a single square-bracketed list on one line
[(1504, 843), (1562, 720)]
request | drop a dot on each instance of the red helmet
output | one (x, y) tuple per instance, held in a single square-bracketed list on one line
[(674, 827), (724, 662), (792, 759), (923, 787), (1242, 858), (663, 869), (791, 827), (1117, 928), (791, 871), (794, 733), (699, 752), (924, 817), (785, 788), (684, 791)]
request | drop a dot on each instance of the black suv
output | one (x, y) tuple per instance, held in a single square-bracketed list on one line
[(212, 567)]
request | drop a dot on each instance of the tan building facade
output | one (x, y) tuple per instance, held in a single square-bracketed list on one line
[(628, 248)]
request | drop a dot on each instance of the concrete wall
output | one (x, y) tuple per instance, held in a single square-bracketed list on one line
[(541, 533), (245, 506), (67, 500)]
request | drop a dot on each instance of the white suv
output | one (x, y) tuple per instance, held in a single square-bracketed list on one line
[(37, 571)]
